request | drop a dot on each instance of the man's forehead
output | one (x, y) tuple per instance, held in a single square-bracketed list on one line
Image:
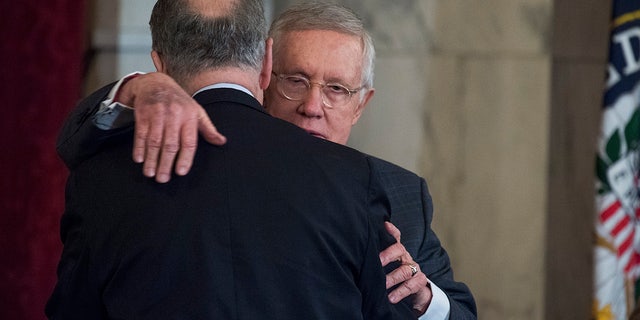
[(338, 56), (328, 41)]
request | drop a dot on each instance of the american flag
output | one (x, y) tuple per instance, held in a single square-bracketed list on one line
[(617, 250)]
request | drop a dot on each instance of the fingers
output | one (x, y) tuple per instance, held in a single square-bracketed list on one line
[(153, 143), (166, 128), (157, 139), (409, 285), (409, 279), (189, 140), (141, 131), (167, 149), (395, 232), (395, 252), (402, 274), (172, 139), (208, 130), (188, 146)]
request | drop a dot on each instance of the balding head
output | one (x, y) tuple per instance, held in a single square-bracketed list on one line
[(194, 36), (212, 8)]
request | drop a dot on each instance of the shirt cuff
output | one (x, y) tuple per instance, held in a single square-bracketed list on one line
[(112, 114), (114, 91), (439, 308)]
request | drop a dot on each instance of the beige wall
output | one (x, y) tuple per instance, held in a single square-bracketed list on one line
[(496, 103), (489, 127)]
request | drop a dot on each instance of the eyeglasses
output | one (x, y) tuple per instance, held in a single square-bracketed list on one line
[(296, 88)]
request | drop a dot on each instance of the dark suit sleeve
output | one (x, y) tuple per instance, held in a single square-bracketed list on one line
[(376, 304), (79, 138), (434, 262)]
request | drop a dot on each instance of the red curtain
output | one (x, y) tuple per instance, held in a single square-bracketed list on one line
[(41, 45)]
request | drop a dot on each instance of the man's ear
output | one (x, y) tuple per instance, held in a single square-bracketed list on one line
[(157, 61), (267, 64), (362, 105)]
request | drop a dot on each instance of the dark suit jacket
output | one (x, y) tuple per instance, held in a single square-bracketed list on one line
[(275, 224), (412, 213), (411, 205)]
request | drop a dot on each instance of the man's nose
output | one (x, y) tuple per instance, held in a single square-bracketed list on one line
[(313, 104)]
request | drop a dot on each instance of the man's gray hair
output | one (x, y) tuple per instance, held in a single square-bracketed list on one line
[(330, 17), (190, 42)]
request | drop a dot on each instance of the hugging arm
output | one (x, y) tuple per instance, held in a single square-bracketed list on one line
[(167, 121)]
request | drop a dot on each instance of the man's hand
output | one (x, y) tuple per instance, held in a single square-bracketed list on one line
[(167, 125), (413, 283)]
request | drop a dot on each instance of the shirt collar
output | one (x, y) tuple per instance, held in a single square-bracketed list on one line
[(225, 85)]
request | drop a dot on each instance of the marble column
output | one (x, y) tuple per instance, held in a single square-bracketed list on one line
[(486, 149)]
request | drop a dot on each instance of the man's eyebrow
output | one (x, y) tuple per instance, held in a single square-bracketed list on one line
[(296, 72), (340, 81)]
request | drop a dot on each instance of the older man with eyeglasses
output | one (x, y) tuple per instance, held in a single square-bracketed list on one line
[(322, 81)]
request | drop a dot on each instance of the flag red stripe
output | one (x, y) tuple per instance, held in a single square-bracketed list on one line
[(625, 245), (607, 213), (633, 262), (620, 226)]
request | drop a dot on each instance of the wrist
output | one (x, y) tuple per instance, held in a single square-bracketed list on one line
[(122, 91), (421, 309)]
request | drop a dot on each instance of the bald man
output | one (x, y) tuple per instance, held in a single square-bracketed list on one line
[(275, 224)]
